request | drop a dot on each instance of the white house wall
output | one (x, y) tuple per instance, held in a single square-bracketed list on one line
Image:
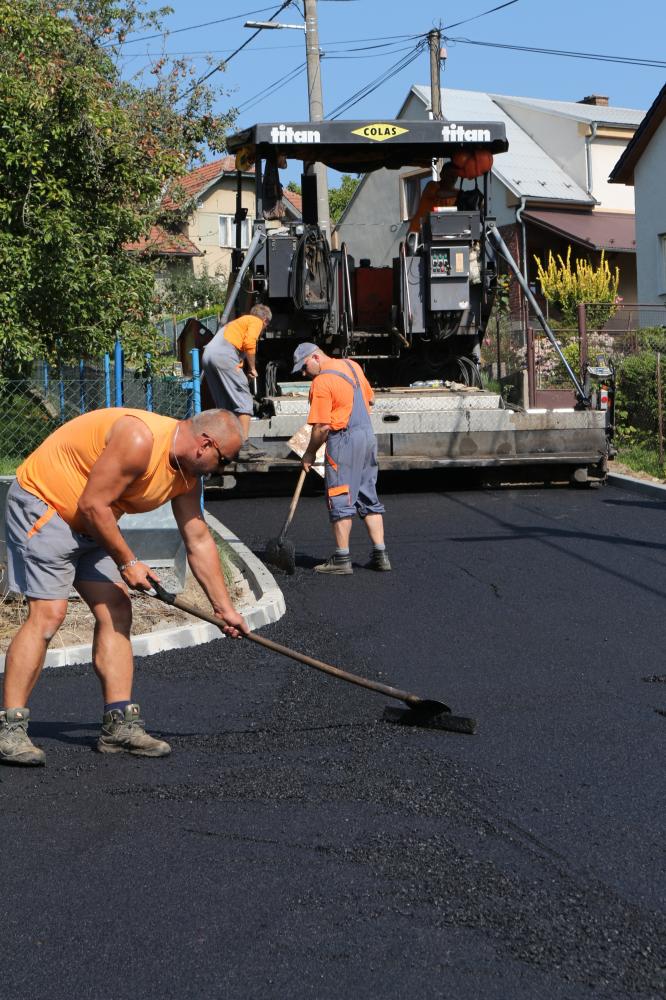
[(613, 197), (651, 219)]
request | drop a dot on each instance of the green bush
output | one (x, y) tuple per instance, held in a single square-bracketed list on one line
[(24, 425), (636, 392), (651, 338)]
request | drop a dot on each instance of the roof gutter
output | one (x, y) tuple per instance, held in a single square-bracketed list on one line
[(521, 223), (589, 139)]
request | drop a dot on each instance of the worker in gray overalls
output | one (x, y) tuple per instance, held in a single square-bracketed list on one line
[(230, 358), (340, 401)]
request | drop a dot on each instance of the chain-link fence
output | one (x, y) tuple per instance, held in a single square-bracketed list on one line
[(617, 351), (34, 407)]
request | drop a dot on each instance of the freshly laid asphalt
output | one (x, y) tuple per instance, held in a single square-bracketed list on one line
[(296, 846)]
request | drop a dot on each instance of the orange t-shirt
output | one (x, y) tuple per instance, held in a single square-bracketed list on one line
[(58, 470), (332, 398), (244, 333)]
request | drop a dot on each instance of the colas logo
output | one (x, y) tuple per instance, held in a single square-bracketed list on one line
[(379, 131)]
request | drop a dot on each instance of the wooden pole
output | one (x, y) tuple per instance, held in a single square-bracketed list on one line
[(435, 43)]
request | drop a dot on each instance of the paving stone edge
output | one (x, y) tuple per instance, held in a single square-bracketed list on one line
[(657, 490), (269, 606)]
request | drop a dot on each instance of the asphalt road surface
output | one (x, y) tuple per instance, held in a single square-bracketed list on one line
[(296, 846)]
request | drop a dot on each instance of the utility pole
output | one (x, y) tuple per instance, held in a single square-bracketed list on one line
[(316, 107), (435, 44)]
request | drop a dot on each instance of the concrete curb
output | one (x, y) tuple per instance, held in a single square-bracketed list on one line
[(656, 490), (269, 606)]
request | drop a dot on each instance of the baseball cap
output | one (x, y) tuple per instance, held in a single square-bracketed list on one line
[(301, 354)]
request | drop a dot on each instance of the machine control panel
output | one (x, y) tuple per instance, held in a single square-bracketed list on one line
[(448, 274), (449, 262)]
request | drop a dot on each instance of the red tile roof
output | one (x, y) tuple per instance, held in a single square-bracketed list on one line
[(295, 199), (159, 241)]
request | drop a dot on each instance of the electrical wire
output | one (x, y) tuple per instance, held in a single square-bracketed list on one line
[(261, 94), (370, 87), (216, 69), (594, 56), (476, 17), (191, 27)]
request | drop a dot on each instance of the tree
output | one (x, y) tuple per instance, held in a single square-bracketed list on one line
[(85, 160), (339, 198)]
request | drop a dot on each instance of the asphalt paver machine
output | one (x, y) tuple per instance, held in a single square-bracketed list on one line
[(416, 327)]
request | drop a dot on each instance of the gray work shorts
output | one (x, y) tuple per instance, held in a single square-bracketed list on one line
[(227, 382), (45, 557)]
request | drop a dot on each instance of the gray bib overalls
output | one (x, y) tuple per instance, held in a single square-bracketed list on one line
[(351, 459), (228, 384)]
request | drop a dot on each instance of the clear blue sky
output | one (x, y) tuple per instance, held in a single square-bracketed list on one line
[(349, 29)]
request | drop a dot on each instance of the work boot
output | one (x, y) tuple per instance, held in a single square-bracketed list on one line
[(339, 565), (125, 732), (379, 561), (16, 746), (250, 453)]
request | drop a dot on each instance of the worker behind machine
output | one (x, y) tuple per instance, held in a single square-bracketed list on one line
[(436, 194), (227, 362)]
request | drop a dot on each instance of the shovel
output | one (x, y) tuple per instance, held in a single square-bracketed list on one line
[(419, 711), (279, 551)]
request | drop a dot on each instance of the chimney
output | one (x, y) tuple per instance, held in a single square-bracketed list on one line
[(598, 100)]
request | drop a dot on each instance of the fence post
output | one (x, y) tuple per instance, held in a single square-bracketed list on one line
[(107, 380), (660, 412), (531, 368), (82, 386), (196, 384), (149, 385), (61, 394), (582, 341), (45, 375), (118, 372)]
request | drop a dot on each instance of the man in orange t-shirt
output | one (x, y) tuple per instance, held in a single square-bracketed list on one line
[(436, 194), (62, 532), (340, 401), (230, 358)]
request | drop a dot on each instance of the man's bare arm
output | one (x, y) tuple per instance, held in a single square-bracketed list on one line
[(204, 559), (125, 458)]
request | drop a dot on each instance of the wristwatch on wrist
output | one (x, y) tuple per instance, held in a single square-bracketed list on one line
[(123, 566)]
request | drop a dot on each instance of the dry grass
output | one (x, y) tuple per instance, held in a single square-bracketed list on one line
[(148, 614)]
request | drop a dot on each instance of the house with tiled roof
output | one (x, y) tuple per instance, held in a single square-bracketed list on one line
[(206, 239), (641, 168), (548, 192)]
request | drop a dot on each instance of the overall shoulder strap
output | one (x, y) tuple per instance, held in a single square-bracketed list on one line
[(354, 373), (331, 371)]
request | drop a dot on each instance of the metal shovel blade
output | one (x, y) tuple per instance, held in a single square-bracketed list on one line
[(282, 553), (430, 715)]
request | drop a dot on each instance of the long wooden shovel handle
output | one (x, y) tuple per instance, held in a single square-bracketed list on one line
[(292, 507), (276, 647)]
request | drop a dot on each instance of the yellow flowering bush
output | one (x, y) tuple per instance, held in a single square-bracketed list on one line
[(566, 286)]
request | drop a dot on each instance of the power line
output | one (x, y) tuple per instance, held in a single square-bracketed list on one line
[(594, 56), (492, 10), (370, 87), (216, 69), (282, 81), (191, 27)]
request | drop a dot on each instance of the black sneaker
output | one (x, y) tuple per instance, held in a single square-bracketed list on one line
[(379, 561), (336, 565)]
